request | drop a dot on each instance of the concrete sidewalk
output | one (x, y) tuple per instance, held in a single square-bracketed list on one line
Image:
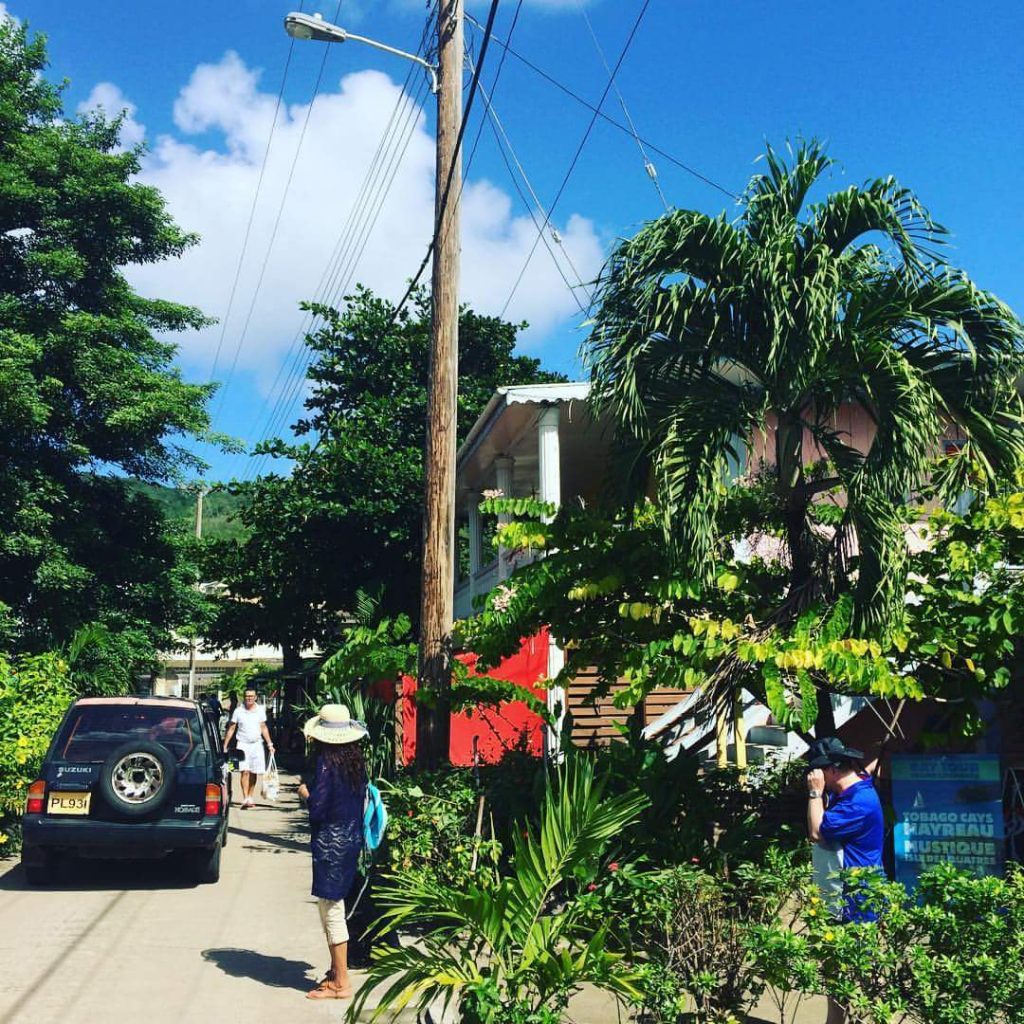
[(124, 942), (129, 941)]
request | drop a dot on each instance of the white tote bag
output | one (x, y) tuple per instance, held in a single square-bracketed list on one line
[(271, 783)]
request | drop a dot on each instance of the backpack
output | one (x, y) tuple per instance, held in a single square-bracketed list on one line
[(375, 817)]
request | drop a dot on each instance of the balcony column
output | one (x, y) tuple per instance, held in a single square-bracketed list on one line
[(503, 466), (549, 457), (475, 538)]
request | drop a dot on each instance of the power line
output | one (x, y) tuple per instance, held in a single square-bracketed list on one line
[(474, 85), (439, 216), (349, 248), (579, 151), (653, 147), (277, 224), (351, 243), (649, 168), (252, 212), (504, 141), (302, 356)]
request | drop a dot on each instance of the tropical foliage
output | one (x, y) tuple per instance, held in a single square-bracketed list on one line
[(711, 335), (515, 951), (35, 691), (607, 594), (687, 931), (949, 952), (89, 396), (345, 515)]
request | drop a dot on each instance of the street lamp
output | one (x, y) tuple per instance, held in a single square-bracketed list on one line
[(313, 26)]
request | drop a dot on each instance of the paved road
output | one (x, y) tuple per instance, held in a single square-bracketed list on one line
[(134, 942)]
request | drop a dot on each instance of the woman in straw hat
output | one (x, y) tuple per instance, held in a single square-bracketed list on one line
[(335, 795)]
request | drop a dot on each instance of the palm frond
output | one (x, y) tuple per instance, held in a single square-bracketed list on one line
[(577, 821)]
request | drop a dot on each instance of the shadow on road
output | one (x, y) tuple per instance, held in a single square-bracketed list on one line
[(275, 971), (87, 875), (282, 842)]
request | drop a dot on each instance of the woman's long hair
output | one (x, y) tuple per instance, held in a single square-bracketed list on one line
[(345, 758)]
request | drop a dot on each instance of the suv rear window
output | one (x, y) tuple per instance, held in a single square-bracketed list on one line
[(93, 731)]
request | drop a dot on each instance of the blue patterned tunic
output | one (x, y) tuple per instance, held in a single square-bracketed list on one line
[(336, 827)]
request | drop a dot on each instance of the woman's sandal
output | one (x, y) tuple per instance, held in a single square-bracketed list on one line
[(329, 990)]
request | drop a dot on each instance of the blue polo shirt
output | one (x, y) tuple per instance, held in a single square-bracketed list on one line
[(854, 821)]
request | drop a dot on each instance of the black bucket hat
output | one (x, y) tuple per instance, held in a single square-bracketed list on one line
[(831, 750)]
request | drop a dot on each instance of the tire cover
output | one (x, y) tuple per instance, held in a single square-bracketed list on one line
[(140, 789)]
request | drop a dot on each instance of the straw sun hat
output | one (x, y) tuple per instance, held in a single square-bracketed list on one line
[(334, 725)]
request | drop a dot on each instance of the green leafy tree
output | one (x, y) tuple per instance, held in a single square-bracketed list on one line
[(348, 515), (710, 332), (608, 595), (88, 393)]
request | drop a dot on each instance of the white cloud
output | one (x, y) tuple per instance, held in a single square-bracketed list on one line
[(210, 191), (4, 13), (108, 98)]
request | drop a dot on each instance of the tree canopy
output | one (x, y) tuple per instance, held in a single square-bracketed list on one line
[(89, 396), (347, 516), (710, 333), (808, 575)]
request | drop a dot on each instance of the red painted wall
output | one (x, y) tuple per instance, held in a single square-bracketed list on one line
[(497, 729)]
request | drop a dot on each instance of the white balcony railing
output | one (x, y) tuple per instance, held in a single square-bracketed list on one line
[(483, 582)]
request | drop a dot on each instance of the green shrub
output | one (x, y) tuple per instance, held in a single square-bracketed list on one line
[(515, 952), (950, 952), (687, 931), (431, 829), (35, 691)]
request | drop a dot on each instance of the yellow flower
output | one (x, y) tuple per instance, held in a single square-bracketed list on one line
[(812, 912), (829, 936)]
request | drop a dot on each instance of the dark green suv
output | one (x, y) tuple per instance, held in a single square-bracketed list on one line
[(130, 777)]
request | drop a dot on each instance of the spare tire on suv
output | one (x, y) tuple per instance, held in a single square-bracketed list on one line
[(137, 779)]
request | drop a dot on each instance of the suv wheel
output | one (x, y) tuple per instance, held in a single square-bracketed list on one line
[(137, 779), (39, 866), (205, 864)]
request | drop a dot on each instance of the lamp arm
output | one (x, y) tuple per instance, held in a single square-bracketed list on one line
[(415, 58)]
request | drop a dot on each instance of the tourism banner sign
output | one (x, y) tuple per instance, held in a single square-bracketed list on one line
[(949, 809)]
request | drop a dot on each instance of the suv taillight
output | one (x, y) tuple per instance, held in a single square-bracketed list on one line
[(213, 799), (36, 802)]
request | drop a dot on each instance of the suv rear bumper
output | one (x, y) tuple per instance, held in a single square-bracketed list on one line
[(40, 830)]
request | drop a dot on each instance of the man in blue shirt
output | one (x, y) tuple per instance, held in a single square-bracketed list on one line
[(851, 822), (852, 819)]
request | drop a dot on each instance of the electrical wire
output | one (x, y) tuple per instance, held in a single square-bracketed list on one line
[(503, 141), (302, 354), (355, 245), (252, 211), (474, 84), (488, 30), (649, 168), (653, 147), (274, 230), (351, 243), (576, 156)]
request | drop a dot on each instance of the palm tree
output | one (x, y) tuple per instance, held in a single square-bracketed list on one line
[(710, 330), (517, 950)]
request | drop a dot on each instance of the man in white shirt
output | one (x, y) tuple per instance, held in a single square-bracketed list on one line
[(250, 723)]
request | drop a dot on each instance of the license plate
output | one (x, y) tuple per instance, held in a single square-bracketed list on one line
[(68, 803)]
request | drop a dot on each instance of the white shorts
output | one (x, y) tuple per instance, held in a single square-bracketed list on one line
[(332, 917), (253, 758)]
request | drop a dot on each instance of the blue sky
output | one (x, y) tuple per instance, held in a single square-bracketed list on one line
[(932, 93)]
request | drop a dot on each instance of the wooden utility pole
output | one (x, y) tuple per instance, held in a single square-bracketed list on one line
[(192, 642), (433, 724)]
